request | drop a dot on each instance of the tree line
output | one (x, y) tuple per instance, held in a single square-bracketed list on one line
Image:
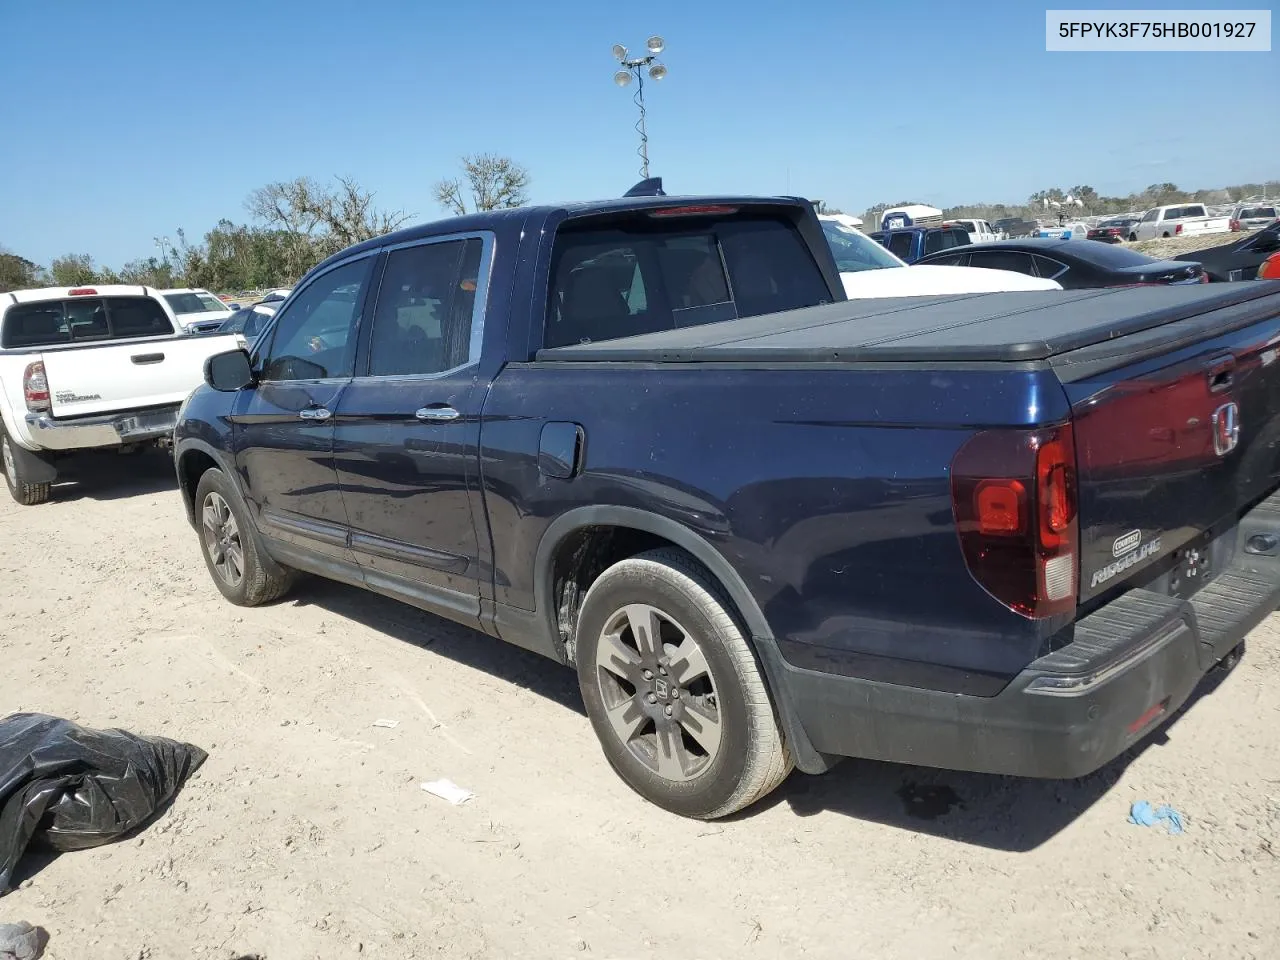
[(1094, 204), (294, 224)]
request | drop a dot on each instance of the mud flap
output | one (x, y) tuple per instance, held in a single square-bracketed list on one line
[(33, 467)]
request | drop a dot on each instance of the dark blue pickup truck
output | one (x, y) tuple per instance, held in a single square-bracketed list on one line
[(768, 526), (909, 244)]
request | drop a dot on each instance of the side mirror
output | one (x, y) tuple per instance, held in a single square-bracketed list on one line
[(228, 372)]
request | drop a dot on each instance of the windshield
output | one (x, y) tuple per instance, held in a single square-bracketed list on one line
[(855, 251), (195, 303)]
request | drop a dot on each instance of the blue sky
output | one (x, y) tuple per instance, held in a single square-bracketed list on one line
[(126, 121)]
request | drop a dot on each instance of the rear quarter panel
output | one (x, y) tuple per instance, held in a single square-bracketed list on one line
[(827, 490)]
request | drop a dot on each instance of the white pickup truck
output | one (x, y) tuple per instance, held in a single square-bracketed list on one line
[(89, 367), (1179, 220)]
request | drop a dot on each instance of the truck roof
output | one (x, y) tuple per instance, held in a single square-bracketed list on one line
[(86, 290), (975, 328), (517, 216)]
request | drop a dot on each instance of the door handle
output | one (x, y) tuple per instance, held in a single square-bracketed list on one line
[(437, 413), (314, 413), (147, 358)]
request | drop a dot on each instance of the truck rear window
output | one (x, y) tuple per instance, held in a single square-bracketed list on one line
[(51, 322), (646, 275)]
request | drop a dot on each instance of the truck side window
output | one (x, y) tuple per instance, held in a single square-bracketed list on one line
[(314, 338), (422, 324)]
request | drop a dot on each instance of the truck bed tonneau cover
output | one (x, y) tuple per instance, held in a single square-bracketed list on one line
[(975, 328)]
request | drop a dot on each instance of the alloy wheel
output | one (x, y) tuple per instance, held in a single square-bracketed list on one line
[(222, 539), (658, 692)]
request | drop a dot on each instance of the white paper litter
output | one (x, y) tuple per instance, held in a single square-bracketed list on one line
[(389, 724), (448, 790)]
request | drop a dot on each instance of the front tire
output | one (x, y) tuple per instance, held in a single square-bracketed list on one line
[(20, 487), (673, 691), (240, 567)]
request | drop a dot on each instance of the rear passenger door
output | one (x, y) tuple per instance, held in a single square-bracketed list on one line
[(407, 432)]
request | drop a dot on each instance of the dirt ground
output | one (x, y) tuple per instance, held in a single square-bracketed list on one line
[(306, 834)]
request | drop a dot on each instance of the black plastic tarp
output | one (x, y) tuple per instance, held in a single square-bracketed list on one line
[(67, 787)]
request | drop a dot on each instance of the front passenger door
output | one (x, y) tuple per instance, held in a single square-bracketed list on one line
[(283, 426), (407, 442)]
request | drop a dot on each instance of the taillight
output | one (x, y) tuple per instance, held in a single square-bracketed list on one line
[(35, 387), (1177, 230), (1013, 495), (1235, 225)]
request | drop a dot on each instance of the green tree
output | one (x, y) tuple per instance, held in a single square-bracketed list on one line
[(18, 273), (73, 270), (490, 182)]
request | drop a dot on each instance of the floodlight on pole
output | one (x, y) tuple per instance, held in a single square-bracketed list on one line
[(637, 67)]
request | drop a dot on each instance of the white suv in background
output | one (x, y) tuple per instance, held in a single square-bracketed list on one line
[(197, 310)]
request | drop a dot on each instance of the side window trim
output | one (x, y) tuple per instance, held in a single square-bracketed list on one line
[(266, 340), (1040, 260), (478, 310)]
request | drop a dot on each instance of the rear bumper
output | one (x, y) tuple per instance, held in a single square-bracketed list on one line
[(1130, 666), (108, 430)]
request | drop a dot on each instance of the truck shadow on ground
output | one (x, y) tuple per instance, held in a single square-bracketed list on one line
[(1001, 813), (114, 476), (471, 648)]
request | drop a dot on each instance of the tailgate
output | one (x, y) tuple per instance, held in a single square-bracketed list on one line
[(131, 375), (1171, 450)]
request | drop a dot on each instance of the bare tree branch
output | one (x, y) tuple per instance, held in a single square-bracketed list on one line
[(495, 183)]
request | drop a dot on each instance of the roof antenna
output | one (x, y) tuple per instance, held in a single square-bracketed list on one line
[(647, 188)]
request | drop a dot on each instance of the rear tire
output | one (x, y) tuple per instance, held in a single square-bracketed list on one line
[(673, 691), (1133, 238), (20, 487), (241, 569)]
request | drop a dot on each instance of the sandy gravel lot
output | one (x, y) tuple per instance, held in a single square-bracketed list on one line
[(306, 834)]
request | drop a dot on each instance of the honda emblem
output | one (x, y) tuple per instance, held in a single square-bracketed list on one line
[(1226, 429)]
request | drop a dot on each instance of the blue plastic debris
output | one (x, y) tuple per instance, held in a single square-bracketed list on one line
[(1144, 815)]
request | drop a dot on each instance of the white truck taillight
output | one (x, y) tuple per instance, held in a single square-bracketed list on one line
[(35, 387)]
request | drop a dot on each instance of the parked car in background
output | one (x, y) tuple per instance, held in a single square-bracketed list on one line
[(651, 439), (248, 322), (89, 368), (1239, 260), (197, 310), (1114, 230), (1064, 229), (1253, 216), (1011, 228), (1177, 220), (867, 269), (912, 243), (979, 230), (1074, 264)]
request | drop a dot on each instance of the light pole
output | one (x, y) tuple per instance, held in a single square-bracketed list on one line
[(637, 66)]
